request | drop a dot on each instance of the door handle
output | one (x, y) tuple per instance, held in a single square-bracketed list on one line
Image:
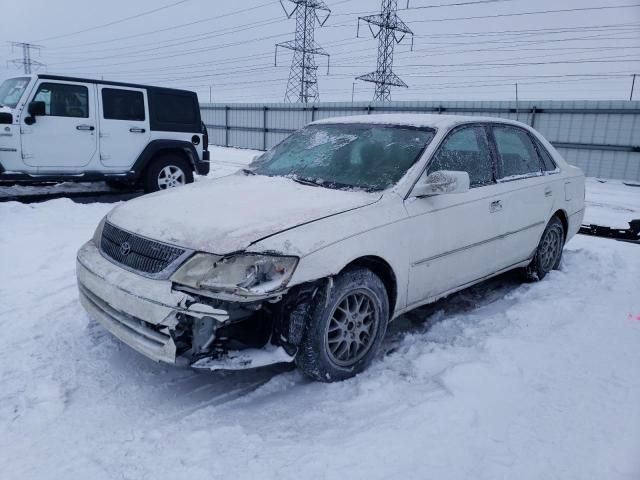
[(137, 130), (548, 192), (89, 128), (495, 206)]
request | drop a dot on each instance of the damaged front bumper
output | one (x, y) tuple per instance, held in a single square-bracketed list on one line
[(178, 327)]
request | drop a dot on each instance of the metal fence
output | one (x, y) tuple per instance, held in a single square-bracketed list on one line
[(601, 137)]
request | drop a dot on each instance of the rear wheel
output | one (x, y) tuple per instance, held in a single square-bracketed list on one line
[(549, 252), (167, 171), (346, 329)]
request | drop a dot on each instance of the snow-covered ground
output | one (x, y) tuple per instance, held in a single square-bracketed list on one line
[(505, 380)]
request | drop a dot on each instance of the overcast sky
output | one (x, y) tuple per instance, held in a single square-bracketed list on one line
[(229, 46)]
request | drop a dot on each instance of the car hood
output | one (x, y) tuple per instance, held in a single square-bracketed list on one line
[(228, 214)]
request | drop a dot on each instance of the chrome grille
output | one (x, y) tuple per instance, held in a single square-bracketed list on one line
[(137, 253)]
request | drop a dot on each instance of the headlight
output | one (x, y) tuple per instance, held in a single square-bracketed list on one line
[(246, 273), (97, 235)]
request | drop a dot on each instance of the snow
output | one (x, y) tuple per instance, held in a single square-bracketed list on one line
[(228, 214), (504, 380)]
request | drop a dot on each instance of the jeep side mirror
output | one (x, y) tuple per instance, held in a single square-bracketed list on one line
[(442, 181), (6, 118), (37, 109)]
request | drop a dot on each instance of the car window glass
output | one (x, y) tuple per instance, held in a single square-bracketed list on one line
[(516, 152), (122, 104), (347, 155), (465, 150), (547, 162), (173, 108), (64, 100)]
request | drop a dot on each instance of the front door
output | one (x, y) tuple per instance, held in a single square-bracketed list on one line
[(66, 136), (124, 125), (455, 236)]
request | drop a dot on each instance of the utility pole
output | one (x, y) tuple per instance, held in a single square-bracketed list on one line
[(390, 30), (633, 84), (26, 61), (302, 86)]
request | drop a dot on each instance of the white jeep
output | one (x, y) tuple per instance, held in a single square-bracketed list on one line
[(55, 128)]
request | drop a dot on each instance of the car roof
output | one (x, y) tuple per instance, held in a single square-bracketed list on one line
[(63, 78), (438, 121)]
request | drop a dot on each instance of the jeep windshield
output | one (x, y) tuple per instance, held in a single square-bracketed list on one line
[(346, 156), (11, 91)]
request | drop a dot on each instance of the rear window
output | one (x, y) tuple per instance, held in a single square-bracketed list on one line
[(547, 162), (175, 108), (120, 104), (516, 152)]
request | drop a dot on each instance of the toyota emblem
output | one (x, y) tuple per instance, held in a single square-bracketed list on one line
[(125, 248)]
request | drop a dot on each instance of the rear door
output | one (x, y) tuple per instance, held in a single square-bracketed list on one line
[(65, 137), (124, 125), (528, 194)]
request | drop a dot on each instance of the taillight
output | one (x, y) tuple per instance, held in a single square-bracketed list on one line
[(205, 137)]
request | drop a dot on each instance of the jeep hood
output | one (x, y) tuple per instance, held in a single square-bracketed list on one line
[(228, 214)]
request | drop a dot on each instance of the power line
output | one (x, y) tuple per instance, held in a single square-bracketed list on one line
[(519, 14), (514, 14), (166, 29), (115, 22)]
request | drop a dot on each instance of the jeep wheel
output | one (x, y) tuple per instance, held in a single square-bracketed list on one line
[(549, 252), (167, 171), (346, 329)]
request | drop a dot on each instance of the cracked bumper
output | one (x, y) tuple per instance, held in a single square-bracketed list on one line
[(137, 310)]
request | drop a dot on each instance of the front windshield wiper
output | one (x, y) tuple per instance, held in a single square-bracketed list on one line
[(248, 172), (305, 181)]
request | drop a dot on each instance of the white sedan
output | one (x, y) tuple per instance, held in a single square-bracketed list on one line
[(309, 253)]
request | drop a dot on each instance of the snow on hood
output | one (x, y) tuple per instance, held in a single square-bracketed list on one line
[(230, 213)]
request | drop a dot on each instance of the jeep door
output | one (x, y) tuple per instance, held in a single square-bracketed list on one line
[(455, 236), (65, 136), (124, 125)]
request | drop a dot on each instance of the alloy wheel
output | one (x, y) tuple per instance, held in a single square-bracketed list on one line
[(171, 176), (549, 249), (352, 329)]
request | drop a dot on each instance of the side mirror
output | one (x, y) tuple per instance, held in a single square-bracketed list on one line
[(442, 181), (6, 118), (37, 109)]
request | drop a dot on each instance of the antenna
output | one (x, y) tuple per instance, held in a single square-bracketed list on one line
[(302, 86), (390, 30)]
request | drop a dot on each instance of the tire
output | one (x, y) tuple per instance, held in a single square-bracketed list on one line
[(549, 252), (173, 168), (322, 354)]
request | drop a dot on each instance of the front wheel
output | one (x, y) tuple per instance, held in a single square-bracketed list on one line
[(346, 329), (167, 171), (549, 252)]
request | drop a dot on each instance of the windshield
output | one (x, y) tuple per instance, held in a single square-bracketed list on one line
[(11, 91), (363, 156)]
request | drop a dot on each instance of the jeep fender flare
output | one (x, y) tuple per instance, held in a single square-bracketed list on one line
[(156, 147)]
